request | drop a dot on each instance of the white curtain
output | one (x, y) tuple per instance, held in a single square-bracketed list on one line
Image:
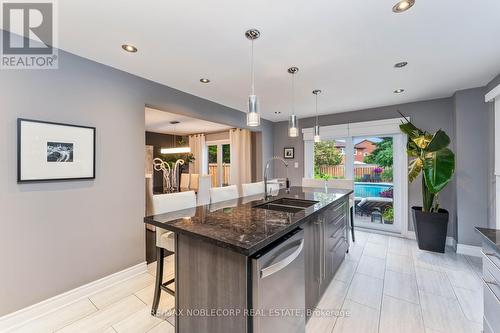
[(241, 165), (197, 145)]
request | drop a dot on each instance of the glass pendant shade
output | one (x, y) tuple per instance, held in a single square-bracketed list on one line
[(317, 138), (253, 116), (293, 126)]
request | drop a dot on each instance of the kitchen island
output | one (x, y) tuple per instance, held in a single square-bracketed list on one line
[(223, 252)]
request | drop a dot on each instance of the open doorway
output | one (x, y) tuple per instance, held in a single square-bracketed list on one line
[(181, 150)]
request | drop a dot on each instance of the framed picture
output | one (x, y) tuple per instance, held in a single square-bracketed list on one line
[(52, 151), (289, 153)]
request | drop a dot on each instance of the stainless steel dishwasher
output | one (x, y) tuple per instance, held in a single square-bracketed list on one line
[(278, 286)]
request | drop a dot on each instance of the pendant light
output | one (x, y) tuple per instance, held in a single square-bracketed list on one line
[(317, 138), (293, 124), (253, 116), (174, 149)]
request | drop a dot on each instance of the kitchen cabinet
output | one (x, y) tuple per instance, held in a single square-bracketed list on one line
[(325, 247), (491, 279)]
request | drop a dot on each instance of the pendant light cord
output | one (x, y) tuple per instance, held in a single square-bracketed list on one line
[(316, 109), (253, 74), (293, 93)]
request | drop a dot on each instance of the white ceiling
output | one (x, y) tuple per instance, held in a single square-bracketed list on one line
[(159, 122), (345, 48)]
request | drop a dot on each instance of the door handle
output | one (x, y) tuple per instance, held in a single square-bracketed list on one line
[(274, 268), (493, 283), (488, 283), (490, 254)]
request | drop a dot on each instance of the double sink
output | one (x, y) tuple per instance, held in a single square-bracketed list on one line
[(287, 205)]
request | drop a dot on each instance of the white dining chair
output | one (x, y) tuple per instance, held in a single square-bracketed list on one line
[(218, 194), (184, 183), (204, 185), (165, 241), (194, 182), (252, 189)]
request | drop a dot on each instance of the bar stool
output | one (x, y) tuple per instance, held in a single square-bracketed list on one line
[(252, 189), (165, 241), (218, 194)]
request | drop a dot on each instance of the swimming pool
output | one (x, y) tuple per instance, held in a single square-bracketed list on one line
[(364, 190)]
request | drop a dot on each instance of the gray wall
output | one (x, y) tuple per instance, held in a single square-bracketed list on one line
[(96, 228), (473, 163), (492, 179), (468, 120), (430, 115)]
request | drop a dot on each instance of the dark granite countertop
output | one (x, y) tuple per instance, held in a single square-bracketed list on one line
[(492, 236), (238, 226)]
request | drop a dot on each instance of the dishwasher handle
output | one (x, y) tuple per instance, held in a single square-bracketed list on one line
[(274, 268)]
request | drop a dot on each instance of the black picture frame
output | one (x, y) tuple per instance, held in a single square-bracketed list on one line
[(289, 153), (19, 158)]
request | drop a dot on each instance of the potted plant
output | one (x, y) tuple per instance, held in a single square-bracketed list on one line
[(388, 215), (436, 162)]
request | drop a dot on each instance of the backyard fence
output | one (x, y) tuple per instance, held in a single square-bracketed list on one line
[(212, 171), (338, 171)]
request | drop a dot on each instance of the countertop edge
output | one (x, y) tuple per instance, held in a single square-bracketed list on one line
[(481, 232), (245, 251)]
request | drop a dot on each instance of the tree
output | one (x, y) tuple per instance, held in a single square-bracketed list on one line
[(382, 155), (325, 153)]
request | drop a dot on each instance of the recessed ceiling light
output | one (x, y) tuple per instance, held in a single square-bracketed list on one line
[(398, 91), (129, 48), (400, 64), (403, 5), (203, 80)]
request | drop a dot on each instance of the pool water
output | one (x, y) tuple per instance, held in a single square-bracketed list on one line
[(363, 190)]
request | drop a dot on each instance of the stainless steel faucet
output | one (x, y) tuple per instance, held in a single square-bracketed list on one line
[(286, 173)]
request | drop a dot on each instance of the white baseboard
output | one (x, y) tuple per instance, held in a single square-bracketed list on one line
[(23, 316), (450, 241), (469, 250)]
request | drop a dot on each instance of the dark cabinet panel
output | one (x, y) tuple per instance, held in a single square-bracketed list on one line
[(325, 247), (311, 269)]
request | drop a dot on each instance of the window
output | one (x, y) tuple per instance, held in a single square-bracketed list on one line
[(329, 159), (219, 162)]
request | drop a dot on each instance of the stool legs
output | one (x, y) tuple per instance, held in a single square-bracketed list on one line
[(352, 223), (160, 252)]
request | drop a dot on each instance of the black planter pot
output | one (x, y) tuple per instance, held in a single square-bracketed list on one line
[(430, 229)]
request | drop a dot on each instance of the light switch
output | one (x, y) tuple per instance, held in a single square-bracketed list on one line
[(296, 165)]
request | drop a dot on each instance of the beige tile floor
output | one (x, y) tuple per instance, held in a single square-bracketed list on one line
[(385, 285), (392, 286)]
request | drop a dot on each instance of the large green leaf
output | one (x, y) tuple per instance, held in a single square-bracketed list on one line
[(438, 169), (414, 169), (423, 140), (411, 130), (412, 149), (439, 141)]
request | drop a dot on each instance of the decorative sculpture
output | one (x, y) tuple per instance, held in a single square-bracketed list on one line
[(164, 167), (175, 176)]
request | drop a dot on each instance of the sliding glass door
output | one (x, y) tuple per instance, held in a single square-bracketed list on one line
[(374, 182), (377, 164)]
